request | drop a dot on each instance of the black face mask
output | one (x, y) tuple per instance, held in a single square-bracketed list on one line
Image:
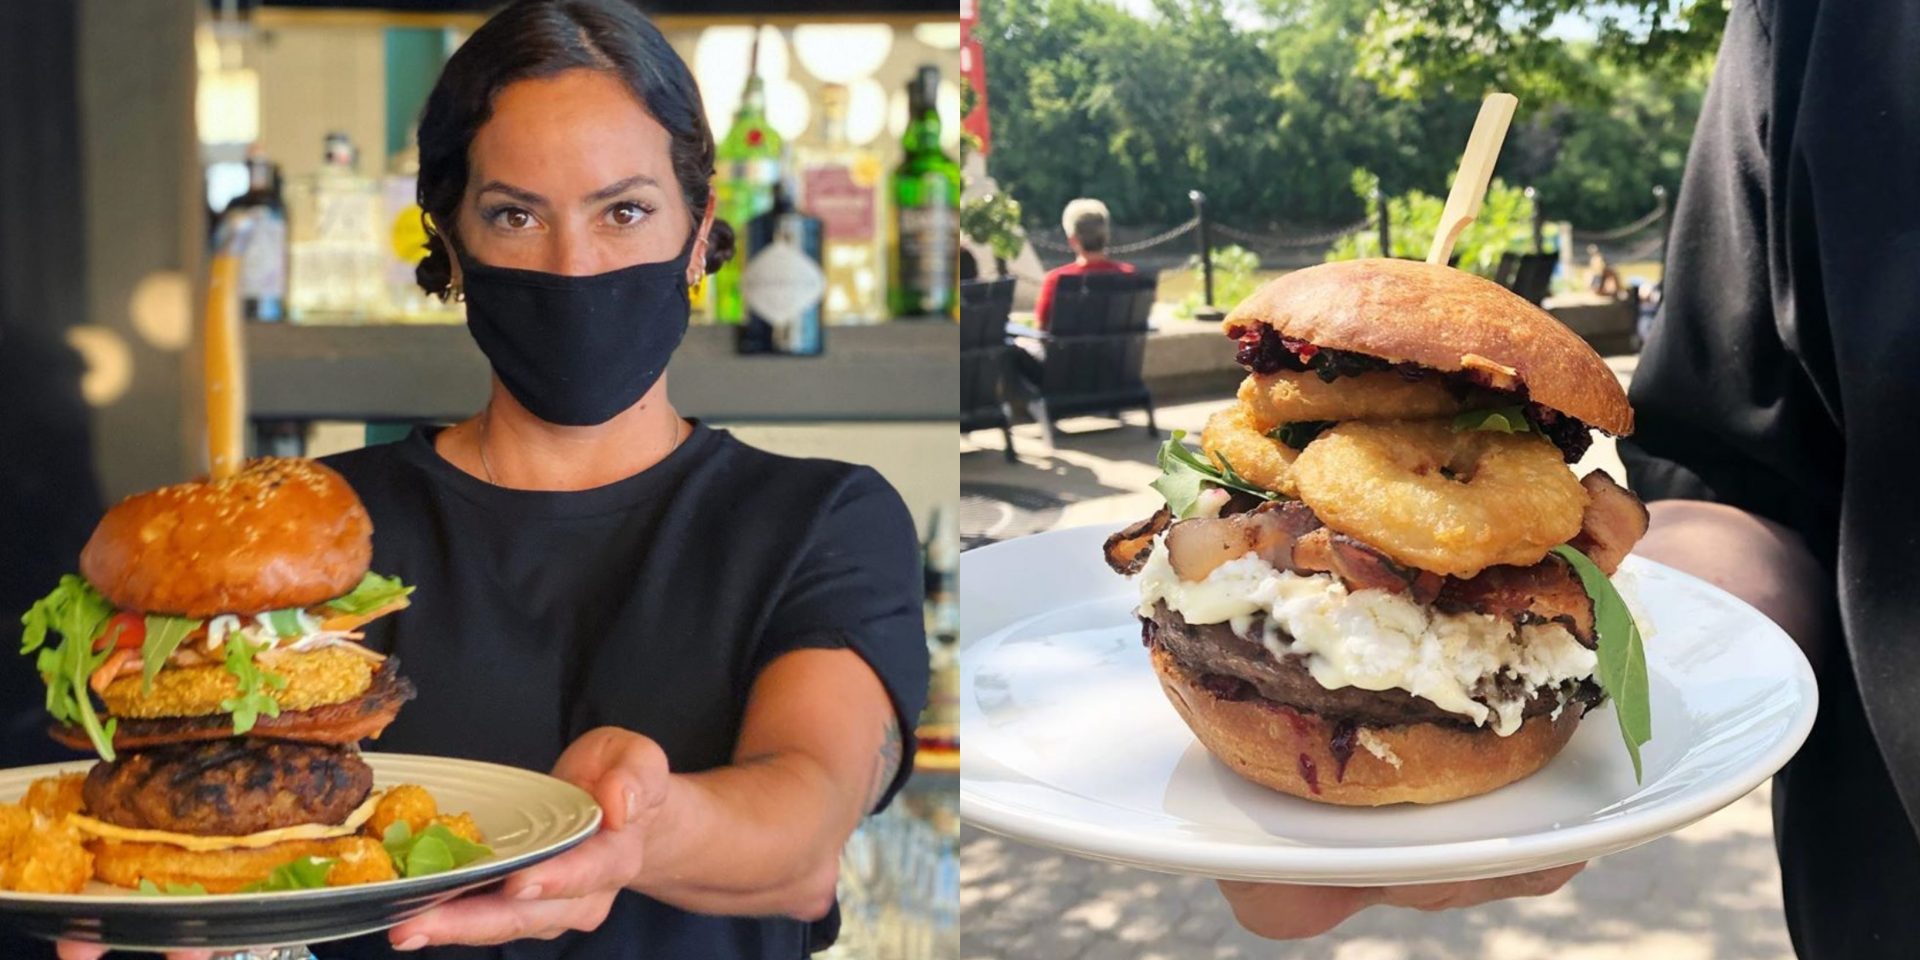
[(578, 350)]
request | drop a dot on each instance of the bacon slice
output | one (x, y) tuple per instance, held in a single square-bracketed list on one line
[(1615, 520), (1128, 550), (1196, 547), (1548, 591), (355, 720)]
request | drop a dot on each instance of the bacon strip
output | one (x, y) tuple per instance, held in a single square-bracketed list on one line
[(1128, 550), (1615, 520)]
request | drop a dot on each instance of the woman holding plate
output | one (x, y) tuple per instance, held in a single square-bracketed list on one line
[(723, 646)]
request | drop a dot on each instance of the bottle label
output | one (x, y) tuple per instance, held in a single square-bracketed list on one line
[(782, 283), (263, 264), (928, 245), (844, 206)]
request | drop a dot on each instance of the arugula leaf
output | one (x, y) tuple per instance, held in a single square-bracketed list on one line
[(1508, 419), (1183, 474), (78, 613), (1623, 657), (285, 623), (373, 592), (306, 873), (164, 635), (253, 699), (150, 889), (1299, 433), (433, 850)]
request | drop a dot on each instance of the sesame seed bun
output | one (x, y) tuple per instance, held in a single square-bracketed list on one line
[(280, 533), (1406, 311)]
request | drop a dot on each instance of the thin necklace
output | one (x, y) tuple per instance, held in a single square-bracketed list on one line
[(486, 417)]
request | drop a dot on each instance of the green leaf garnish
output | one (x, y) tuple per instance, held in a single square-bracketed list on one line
[(1184, 474), (150, 889), (1623, 657), (164, 635), (433, 850), (78, 613), (374, 592), (1299, 433), (285, 623), (306, 873), (1509, 419), (253, 699)]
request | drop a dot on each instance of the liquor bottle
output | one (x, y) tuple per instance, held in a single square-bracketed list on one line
[(782, 285), (336, 248), (926, 200), (257, 219), (840, 184), (748, 162), (406, 243)]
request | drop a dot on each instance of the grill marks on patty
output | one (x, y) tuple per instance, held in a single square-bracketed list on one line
[(1233, 667), (229, 787)]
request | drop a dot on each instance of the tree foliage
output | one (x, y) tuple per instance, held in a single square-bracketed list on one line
[(1272, 119)]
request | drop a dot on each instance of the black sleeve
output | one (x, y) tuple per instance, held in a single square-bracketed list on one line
[(1733, 397), (858, 585)]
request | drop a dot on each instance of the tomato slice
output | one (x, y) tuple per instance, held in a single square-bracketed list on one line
[(125, 631)]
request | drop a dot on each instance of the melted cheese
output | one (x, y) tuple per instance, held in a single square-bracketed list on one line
[(1375, 639), (252, 841)]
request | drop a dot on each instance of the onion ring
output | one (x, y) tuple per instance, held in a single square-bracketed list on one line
[(1231, 437), (1450, 503), (1288, 397)]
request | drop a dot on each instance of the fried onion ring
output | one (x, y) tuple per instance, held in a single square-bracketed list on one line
[(1446, 502), (1288, 397), (1231, 436)]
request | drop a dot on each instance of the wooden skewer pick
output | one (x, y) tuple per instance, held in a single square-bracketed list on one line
[(225, 374), (1476, 171)]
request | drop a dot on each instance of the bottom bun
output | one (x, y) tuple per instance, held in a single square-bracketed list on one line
[(1293, 752), (124, 863)]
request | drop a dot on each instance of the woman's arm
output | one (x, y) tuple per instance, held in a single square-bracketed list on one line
[(818, 747), (1755, 559), (761, 837)]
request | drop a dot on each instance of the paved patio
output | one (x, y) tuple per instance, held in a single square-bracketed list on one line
[(1710, 892)]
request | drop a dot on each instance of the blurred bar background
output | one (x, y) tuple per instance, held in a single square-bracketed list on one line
[(145, 136)]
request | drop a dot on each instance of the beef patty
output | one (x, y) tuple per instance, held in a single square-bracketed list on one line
[(1236, 668), (229, 787)]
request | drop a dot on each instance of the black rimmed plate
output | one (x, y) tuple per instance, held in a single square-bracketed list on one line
[(527, 817)]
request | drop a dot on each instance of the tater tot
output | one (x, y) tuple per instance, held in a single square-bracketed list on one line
[(407, 802), (462, 826), (358, 860), (55, 797)]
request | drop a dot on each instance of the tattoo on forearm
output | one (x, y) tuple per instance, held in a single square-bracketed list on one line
[(886, 764)]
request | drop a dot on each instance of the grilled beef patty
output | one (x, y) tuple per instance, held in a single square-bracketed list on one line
[(1235, 668), (229, 787)]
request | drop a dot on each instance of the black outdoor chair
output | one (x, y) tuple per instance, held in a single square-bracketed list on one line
[(1528, 274), (985, 357), (1095, 342)]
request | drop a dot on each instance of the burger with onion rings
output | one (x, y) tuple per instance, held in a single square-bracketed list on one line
[(209, 654), (1378, 581)]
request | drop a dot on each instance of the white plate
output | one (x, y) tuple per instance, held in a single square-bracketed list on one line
[(525, 816), (1071, 744)]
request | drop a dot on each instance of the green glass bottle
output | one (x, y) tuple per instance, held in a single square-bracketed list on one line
[(748, 163), (926, 207)]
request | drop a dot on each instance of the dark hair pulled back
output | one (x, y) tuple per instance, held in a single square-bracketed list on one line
[(540, 38)]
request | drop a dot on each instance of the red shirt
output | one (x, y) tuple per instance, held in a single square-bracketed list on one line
[(1043, 306)]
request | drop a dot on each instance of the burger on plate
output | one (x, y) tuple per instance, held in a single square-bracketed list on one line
[(1379, 581), (209, 654)]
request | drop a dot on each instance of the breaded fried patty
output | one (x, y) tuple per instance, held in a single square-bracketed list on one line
[(315, 679), (229, 787)]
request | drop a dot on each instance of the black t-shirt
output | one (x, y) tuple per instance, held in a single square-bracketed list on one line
[(1783, 377), (652, 604)]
